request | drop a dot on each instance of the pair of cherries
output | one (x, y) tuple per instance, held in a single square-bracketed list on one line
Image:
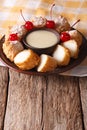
[(49, 24), (64, 35), (28, 26)]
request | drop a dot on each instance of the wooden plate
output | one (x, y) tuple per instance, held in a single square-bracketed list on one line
[(72, 64)]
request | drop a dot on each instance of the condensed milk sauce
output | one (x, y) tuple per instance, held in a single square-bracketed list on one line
[(41, 39)]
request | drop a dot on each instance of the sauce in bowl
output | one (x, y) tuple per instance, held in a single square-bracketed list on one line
[(42, 40)]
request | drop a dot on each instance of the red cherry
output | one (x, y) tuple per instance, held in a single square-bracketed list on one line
[(64, 36), (28, 25), (13, 37), (50, 24)]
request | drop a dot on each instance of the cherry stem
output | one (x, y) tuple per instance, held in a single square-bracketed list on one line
[(75, 23), (22, 15), (51, 10)]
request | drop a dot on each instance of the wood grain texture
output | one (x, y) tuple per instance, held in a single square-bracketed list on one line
[(42, 103), (83, 93), (3, 93), (61, 104), (24, 108)]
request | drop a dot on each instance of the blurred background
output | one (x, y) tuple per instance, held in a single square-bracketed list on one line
[(71, 9)]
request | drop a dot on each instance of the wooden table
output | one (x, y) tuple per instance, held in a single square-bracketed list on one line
[(42, 102)]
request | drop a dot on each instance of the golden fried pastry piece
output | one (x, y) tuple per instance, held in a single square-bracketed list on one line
[(26, 59), (73, 47), (74, 34), (38, 21), (62, 55), (62, 24), (12, 48), (20, 30), (47, 63)]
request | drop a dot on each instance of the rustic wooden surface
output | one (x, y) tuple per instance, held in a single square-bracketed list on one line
[(3, 94), (42, 102), (83, 93)]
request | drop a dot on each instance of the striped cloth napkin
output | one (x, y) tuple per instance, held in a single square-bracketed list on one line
[(71, 9)]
